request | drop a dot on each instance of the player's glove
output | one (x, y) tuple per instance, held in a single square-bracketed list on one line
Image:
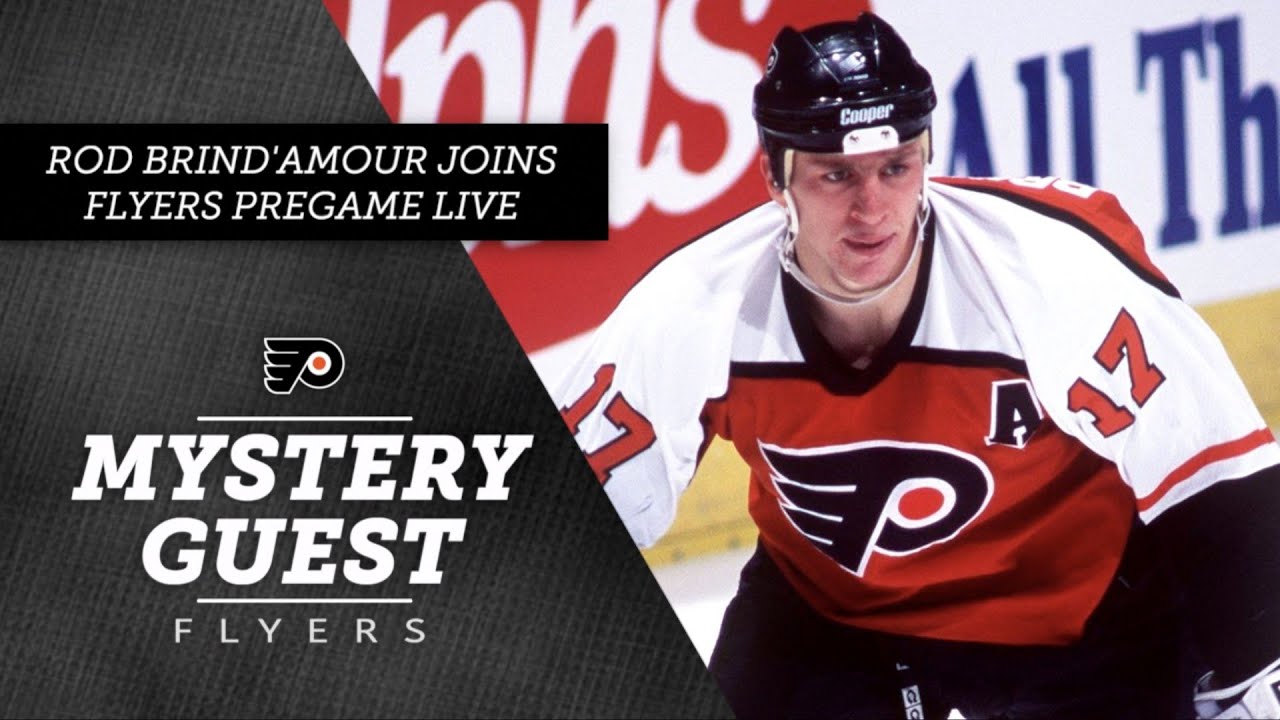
[(1257, 697)]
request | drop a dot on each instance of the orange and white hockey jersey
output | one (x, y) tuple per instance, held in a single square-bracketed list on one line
[(979, 479)]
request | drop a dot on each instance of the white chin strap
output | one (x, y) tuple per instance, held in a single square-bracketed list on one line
[(787, 255)]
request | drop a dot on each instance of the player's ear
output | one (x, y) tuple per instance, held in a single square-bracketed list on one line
[(774, 191)]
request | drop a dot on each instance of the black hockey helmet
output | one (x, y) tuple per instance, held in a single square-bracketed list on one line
[(848, 87)]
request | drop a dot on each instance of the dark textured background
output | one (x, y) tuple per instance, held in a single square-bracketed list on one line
[(545, 610)]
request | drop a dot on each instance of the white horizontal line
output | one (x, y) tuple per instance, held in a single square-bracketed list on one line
[(306, 418), (285, 601)]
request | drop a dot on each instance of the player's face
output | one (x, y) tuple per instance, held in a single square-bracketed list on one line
[(857, 216)]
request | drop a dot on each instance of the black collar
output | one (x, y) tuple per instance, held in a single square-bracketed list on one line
[(827, 366)]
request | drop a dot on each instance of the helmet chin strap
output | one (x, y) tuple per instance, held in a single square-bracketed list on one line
[(787, 256)]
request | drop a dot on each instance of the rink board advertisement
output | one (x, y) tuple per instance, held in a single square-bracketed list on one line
[(1173, 109), (274, 472)]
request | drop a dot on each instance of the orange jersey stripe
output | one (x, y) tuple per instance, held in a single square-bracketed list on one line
[(1216, 453)]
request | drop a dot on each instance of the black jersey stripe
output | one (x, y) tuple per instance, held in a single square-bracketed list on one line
[(965, 358), (913, 354), (1084, 226)]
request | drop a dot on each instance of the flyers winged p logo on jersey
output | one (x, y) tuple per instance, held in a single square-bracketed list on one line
[(885, 497), (315, 362)]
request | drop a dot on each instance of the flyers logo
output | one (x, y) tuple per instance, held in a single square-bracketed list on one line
[(317, 362), (881, 497)]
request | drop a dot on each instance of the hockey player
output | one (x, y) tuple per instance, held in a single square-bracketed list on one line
[(996, 463)]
